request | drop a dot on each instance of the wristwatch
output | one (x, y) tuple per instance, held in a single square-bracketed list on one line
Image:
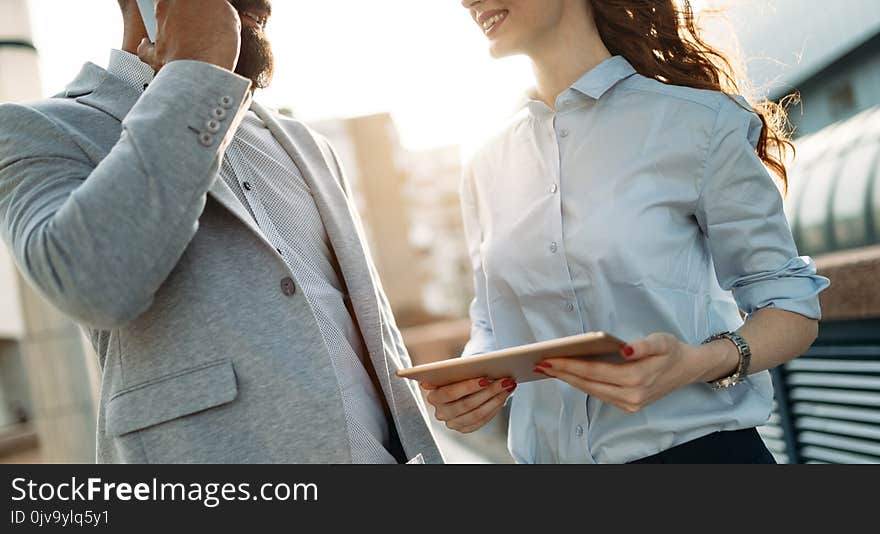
[(745, 358)]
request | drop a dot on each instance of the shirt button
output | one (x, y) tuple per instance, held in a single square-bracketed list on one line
[(569, 307), (554, 188), (554, 247), (206, 139), (579, 431), (288, 287), (247, 186), (219, 113), (226, 102), (212, 126), (564, 132)]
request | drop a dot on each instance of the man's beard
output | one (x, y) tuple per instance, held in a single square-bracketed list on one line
[(255, 60)]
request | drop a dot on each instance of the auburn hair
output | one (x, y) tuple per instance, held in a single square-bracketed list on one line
[(661, 39)]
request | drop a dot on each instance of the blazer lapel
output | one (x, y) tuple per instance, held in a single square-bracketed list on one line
[(335, 211), (220, 192)]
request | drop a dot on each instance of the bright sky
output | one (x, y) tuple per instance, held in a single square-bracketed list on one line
[(428, 65), (426, 62)]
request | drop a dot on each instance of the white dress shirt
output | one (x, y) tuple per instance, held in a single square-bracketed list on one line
[(635, 208)]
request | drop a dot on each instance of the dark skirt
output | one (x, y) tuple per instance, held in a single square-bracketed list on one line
[(730, 447)]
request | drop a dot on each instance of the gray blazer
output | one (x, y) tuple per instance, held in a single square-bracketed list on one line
[(112, 208)]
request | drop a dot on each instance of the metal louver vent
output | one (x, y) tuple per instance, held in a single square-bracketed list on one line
[(828, 407)]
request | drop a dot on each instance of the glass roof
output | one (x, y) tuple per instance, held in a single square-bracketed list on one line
[(834, 197)]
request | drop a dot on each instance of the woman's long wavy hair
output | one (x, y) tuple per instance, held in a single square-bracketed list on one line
[(661, 39)]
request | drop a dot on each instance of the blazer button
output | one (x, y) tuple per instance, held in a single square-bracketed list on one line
[(288, 287)]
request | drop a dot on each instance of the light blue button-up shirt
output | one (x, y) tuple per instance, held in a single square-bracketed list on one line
[(635, 208)]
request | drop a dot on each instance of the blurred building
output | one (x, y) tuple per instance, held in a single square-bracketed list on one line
[(373, 159), (409, 204), (48, 376), (437, 231), (829, 53)]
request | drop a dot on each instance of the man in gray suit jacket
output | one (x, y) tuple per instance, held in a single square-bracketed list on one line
[(213, 253)]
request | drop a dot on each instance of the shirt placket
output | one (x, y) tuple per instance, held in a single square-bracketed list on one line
[(245, 175), (246, 179), (577, 428)]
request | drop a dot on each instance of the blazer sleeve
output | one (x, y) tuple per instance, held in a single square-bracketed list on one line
[(741, 214), (99, 240), (482, 335)]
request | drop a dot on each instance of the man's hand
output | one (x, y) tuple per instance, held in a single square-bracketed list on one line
[(199, 30), (467, 406)]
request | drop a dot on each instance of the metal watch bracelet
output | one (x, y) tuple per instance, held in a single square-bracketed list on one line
[(745, 358)]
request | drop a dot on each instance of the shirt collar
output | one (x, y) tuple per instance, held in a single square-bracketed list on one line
[(595, 83), (130, 69), (604, 76)]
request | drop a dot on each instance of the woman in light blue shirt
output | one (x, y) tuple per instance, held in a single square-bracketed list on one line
[(631, 195)]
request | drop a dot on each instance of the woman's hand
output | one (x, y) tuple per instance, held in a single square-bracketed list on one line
[(655, 366), (467, 406)]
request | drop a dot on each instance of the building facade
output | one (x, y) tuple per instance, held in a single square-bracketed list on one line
[(828, 53)]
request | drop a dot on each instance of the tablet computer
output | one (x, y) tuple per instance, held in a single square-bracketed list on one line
[(517, 362)]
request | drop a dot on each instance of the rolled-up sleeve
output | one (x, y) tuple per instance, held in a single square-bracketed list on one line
[(740, 211), (482, 336)]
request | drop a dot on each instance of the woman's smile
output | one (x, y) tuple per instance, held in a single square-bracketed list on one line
[(491, 20)]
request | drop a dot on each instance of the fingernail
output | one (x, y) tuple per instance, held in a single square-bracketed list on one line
[(627, 350), (539, 370), (511, 388), (508, 383), (545, 365), (484, 382)]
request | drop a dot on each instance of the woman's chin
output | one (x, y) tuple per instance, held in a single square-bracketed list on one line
[(498, 50)]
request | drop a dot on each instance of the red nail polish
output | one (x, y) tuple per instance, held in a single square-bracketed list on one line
[(545, 365), (539, 371), (484, 382), (627, 350), (508, 383), (511, 388)]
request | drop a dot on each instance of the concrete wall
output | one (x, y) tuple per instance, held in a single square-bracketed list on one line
[(854, 292)]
